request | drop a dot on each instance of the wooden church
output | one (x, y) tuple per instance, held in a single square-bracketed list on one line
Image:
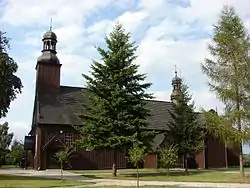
[(55, 113)]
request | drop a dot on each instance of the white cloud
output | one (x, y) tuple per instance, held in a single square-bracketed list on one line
[(39, 13), (130, 20), (152, 5), (203, 99), (22, 99)]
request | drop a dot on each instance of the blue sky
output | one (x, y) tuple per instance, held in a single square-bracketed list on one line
[(168, 32)]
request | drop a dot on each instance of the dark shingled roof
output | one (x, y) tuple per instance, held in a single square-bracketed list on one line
[(63, 108)]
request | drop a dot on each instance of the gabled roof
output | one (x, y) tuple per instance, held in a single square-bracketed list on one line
[(63, 108)]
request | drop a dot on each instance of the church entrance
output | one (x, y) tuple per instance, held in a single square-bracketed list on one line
[(52, 147), (52, 161)]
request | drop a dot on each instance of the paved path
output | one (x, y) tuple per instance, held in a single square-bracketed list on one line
[(103, 182), (45, 173), (106, 182)]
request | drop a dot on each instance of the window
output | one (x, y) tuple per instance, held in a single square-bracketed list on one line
[(68, 137)]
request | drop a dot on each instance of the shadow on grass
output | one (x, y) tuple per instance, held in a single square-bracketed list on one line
[(143, 174), (25, 178)]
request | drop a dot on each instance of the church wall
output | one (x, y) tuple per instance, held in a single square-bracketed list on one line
[(82, 158), (151, 161), (97, 159), (200, 160), (233, 156), (215, 153)]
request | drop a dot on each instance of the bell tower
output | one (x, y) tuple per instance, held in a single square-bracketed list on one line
[(176, 84), (48, 65)]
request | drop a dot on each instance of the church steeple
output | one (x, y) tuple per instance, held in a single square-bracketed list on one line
[(48, 65), (49, 48), (176, 84)]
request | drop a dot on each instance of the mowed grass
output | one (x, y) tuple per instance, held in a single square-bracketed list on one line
[(219, 176), (11, 181), (9, 167), (134, 187)]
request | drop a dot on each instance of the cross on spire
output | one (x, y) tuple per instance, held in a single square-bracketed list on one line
[(175, 70), (50, 27)]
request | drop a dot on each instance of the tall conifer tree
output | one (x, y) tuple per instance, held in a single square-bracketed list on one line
[(186, 131), (228, 69), (116, 112)]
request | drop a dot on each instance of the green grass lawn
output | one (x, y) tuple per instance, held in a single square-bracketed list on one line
[(11, 181), (135, 187), (177, 176), (9, 167), (146, 170)]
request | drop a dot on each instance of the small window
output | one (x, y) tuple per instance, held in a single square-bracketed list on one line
[(68, 137)]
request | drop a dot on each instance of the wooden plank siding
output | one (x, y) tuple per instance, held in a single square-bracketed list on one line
[(97, 159)]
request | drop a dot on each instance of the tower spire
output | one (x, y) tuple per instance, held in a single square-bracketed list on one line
[(175, 70), (50, 26), (176, 83)]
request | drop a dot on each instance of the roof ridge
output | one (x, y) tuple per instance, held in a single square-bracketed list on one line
[(154, 100), (78, 87)]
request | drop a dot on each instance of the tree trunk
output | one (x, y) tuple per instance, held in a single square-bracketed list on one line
[(186, 164), (61, 170), (114, 168), (137, 174), (241, 158), (226, 158), (240, 130), (167, 171)]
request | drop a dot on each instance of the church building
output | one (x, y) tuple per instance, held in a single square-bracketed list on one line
[(55, 114)]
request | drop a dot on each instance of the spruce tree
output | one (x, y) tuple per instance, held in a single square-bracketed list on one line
[(228, 69), (116, 111), (186, 131)]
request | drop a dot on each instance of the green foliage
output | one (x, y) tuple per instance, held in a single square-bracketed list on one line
[(63, 155), (228, 69), (10, 84), (168, 157), (16, 153), (221, 128), (186, 131), (115, 110), (137, 154), (5, 140)]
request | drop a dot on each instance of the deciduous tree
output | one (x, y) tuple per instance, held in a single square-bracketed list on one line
[(17, 153), (10, 84), (228, 68), (63, 157), (168, 157), (5, 140), (137, 154)]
